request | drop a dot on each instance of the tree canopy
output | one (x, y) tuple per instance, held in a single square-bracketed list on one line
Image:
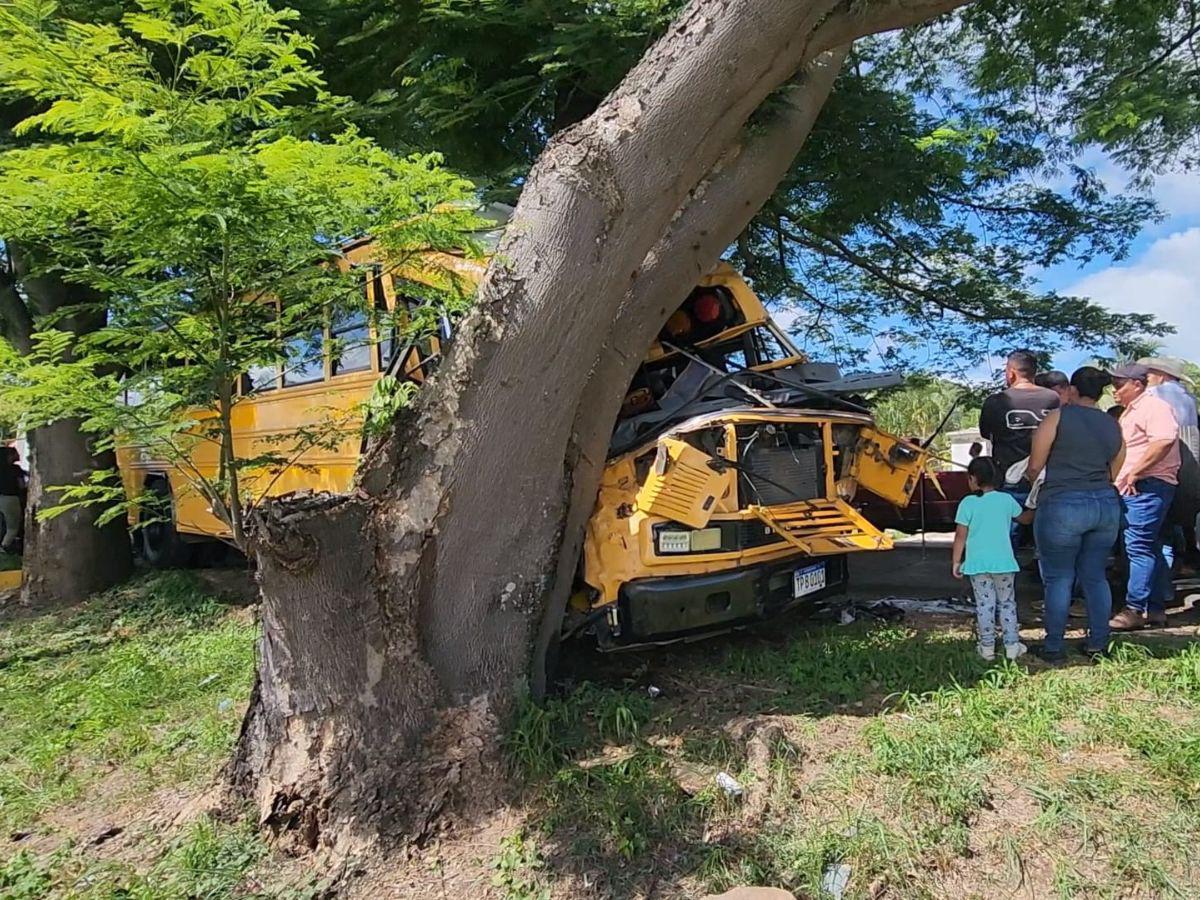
[(188, 167), (940, 179)]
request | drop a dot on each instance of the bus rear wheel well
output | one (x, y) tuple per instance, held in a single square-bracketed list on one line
[(158, 540)]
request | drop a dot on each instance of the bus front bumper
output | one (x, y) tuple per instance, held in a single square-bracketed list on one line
[(680, 608)]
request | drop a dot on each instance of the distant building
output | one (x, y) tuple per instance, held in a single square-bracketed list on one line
[(960, 445)]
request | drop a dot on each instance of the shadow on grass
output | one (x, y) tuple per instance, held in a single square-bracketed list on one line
[(608, 765), (141, 685), (169, 598)]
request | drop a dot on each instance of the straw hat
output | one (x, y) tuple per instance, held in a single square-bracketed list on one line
[(1168, 365)]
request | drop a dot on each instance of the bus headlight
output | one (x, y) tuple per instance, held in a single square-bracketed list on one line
[(679, 540)]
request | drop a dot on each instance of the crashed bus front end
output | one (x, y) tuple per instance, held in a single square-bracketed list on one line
[(731, 518), (728, 494)]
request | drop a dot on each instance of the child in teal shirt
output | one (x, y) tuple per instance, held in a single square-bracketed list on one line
[(983, 527)]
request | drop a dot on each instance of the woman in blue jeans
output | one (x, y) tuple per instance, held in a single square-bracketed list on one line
[(1079, 513)]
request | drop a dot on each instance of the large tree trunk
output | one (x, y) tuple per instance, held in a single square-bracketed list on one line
[(400, 622), (68, 557)]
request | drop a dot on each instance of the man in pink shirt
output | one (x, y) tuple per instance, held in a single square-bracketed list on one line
[(1146, 484)]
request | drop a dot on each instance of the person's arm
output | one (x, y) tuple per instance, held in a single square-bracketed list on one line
[(1023, 515), (1163, 432), (987, 427), (960, 544), (1156, 452), (1043, 440), (1114, 467)]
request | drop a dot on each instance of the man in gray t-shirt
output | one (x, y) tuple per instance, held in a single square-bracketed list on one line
[(1009, 419)]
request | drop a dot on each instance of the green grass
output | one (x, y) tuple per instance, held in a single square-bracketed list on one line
[(836, 666), (146, 681), (904, 757), (139, 689), (909, 760), (207, 860)]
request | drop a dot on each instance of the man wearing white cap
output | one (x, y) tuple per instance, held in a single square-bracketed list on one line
[(1166, 381)]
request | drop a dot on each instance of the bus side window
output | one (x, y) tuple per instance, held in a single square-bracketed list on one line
[(305, 358), (261, 378), (767, 347), (351, 350)]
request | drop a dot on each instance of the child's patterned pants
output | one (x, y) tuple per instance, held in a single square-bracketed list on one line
[(995, 593)]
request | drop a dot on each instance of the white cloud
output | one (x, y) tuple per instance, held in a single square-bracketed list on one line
[(1178, 193), (1164, 281)]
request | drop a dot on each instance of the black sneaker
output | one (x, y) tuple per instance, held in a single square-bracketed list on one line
[(1095, 655), (1054, 657)]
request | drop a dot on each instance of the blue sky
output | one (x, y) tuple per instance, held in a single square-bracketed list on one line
[(1161, 274)]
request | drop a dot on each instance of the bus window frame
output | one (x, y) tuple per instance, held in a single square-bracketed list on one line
[(246, 388), (372, 366)]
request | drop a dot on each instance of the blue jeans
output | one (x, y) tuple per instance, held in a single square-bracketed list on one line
[(1075, 532), (1173, 544), (1145, 527), (1020, 493)]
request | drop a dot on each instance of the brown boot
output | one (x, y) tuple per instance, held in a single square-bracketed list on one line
[(1127, 620), (1156, 619)]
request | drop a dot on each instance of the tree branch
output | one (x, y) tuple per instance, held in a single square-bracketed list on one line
[(843, 251), (1132, 74), (853, 19)]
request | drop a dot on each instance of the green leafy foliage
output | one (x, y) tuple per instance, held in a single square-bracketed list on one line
[(1120, 74), (923, 406), (486, 81), (189, 168), (516, 869), (389, 395), (913, 233), (915, 220)]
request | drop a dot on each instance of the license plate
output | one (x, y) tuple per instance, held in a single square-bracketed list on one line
[(808, 580)]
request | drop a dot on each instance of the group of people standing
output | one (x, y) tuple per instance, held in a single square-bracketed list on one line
[(1089, 480)]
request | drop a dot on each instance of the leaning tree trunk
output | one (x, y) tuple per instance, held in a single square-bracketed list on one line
[(399, 622), (67, 557)]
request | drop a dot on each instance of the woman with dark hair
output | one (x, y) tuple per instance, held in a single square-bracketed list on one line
[(1080, 449)]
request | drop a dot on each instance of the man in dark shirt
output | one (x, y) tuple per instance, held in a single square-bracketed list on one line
[(12, 483), (1008, 419)]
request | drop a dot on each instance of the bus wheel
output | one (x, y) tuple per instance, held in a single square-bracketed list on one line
[(162, 547)]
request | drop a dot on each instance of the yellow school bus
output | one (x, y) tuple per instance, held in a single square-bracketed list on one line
[(726, 498), (320, 391)]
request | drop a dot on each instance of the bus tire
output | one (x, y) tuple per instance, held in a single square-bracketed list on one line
[(161, 545)]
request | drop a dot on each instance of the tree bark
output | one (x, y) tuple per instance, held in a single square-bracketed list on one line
[(66, 558), (399, 622)]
